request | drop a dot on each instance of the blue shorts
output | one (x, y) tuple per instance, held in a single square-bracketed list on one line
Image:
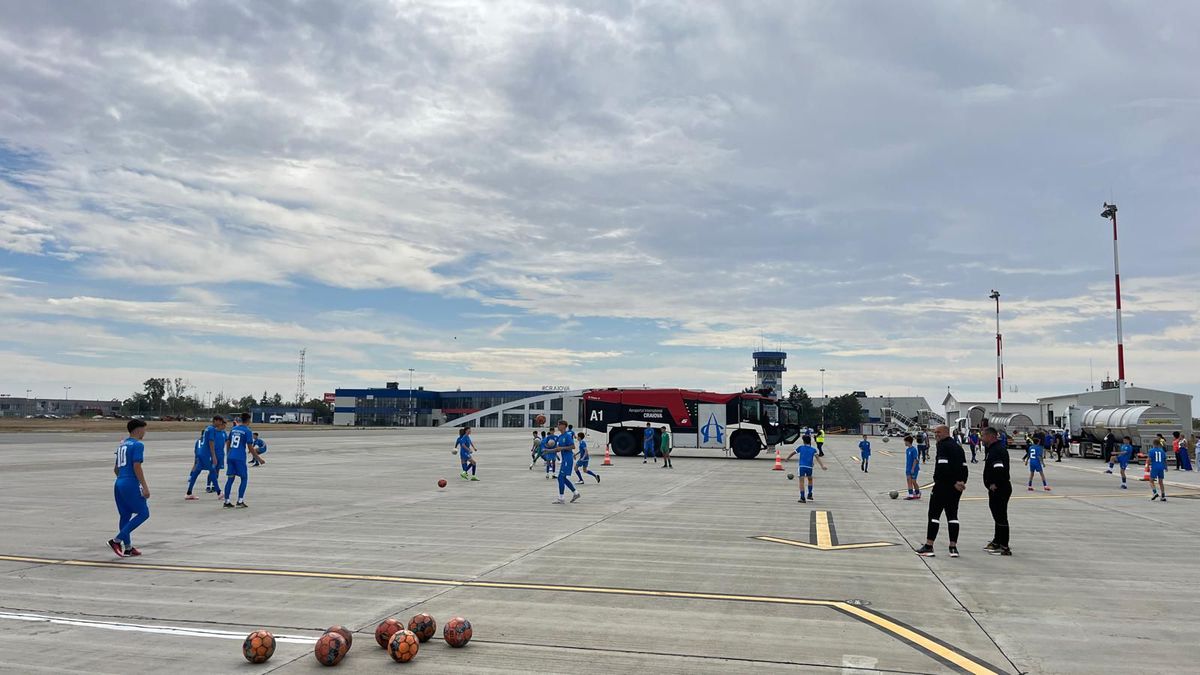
[(913, 474), (220, 460), (1157, 473), (128, 496), (583, 463), (203, 461), (1034, 466), (566, 467), (237, 467), (1123, 461), (804, 471)]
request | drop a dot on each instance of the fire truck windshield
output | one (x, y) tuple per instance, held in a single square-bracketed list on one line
[(751, 410)]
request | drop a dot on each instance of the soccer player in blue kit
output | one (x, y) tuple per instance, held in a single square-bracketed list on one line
[(648, 445), (241, 439), (583, 459), (805, 466), (565, 447), (261, 446), (549, 456), (130, 490), (1123, 459), (466, 454), (214, 440), (864, 451), (912, 468), (205, 459), (1034, 455), (1158, 469)]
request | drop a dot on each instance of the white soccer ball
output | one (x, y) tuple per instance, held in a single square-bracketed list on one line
[(551, 444)]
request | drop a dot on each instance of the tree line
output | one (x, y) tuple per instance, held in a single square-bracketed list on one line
[(840, 411), (176, 397)]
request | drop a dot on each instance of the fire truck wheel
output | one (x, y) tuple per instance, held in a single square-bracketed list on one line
[(745, 445), (624, 444)]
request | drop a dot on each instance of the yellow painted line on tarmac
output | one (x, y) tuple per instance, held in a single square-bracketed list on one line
[(824, 540), (1139, 494), (958, 659)]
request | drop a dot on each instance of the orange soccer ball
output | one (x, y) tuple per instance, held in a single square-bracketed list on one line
[(385, 630), (330, 649), (403, 646), (539, 421), (424, 626), (457, 632), (442, 483), (344, 632), (259, 646)]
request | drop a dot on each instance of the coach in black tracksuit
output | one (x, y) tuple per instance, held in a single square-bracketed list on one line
[(999, 485), (949, 481)]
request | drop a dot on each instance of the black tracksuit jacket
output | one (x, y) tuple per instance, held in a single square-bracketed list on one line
[(950, 464), (995, 465)]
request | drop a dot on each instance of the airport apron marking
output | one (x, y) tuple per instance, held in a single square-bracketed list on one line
[(148, 628), (822, 536), (939, 650)]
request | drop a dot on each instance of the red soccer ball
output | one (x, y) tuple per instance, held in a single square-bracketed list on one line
[(330, 649), (403, 646), (385, 630), (344, 632), (457, 632), (442, 483), (259, 646), (423, 626)]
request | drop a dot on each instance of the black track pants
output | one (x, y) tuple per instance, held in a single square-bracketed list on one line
[(998, 503), (943, 498)]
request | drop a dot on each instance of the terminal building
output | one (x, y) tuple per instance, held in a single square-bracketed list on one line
[(391, 406), (13, 406), (909, 406)]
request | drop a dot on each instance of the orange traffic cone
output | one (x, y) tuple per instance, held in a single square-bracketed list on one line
[(778, 461), (607, 456), (1146, 474)]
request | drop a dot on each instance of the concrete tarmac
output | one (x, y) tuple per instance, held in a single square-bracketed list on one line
[(652, 570)]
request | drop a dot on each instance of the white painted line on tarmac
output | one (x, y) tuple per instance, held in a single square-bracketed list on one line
[(143, 628)]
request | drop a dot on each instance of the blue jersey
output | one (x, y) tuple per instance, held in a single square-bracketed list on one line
[(130, 452), (649, 437), (260, 445), (201, 451), (240, 438), (911, 455), (1126, 452), (583, 453), (216, 437), (805, 454), (566, 440), (865, 448), (463, 443), (1158, 458), (1035, 454)]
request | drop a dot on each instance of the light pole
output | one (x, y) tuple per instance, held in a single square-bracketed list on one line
[(412, 413), (1110, 212), (823, 401), (999, 360), (29, 401)]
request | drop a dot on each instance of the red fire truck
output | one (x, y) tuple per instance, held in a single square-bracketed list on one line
[(742, 423)]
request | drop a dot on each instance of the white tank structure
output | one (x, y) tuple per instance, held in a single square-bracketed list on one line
[(1015, 424), (1142, 423)]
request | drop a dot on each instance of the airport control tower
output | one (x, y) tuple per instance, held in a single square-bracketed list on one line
[(768, 371)]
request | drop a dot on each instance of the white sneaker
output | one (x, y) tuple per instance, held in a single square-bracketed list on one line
[(575, 497), (558, 501)]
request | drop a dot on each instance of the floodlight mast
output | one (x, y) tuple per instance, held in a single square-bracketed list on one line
[(1110, 213)]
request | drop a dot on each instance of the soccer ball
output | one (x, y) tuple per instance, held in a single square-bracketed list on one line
[(403, 646), (423, 626), (539, 421), (791, 476), (442, 483), (894, 494), (330, 649), (885, 439), (385, 630), (551, 444), (457, 632), (344, 632), (259, 646)]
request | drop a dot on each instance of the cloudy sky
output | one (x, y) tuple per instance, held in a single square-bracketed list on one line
[(527, 193)]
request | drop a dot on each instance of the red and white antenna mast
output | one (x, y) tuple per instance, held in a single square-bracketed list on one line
[(1110, 212)]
